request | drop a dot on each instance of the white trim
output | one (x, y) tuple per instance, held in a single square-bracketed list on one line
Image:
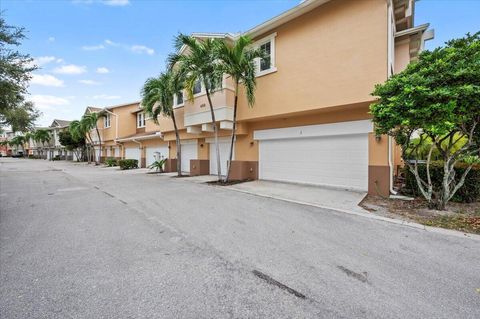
[(273, 67), (143, 119), (340, 128), (186, 142), (223, 139)]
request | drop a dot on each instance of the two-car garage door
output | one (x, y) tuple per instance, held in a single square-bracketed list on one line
[(328, 154)]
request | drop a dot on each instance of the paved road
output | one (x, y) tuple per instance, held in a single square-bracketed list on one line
[(87, 242)]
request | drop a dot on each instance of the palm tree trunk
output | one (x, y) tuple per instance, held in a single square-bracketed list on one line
[(179, 146), (215, 131), (234, 127), (99, 145)]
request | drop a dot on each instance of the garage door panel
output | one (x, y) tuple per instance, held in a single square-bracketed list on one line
[(150, 153), (224, 148), (333, 160), (133, 153), (189, 152)]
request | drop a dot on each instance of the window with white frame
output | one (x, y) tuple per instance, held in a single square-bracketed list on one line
[(267, 63), (179, 98), (106, 121), (140, 119), (197, 87)]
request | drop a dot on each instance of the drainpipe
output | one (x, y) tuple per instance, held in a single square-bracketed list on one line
[(390, 164)]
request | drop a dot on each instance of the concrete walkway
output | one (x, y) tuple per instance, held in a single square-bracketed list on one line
[(338, 199)]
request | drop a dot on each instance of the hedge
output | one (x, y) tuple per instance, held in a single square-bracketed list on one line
[(128, 163), (111, 162), (468, 193)]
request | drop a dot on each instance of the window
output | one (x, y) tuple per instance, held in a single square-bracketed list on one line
[(179, 97), (106, 121), (197, 88), (266, 62), (140, 119)]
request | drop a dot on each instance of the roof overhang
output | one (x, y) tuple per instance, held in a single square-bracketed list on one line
[(416, 37), (140, 137)]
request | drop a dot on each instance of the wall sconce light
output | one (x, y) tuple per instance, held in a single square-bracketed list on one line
[(378, 138), (201, 145), (169, 146), (251, 143)]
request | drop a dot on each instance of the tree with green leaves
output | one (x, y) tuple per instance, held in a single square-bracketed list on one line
[(89, 122), (435, 99), (238, 61), (15, 72), (157, 99), (18, 141), (77, 131), (42, 136), (74, 143), (199, 63)]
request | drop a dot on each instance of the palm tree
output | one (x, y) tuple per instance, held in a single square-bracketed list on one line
[(239, 62), (199, 63), (89, 122), (42, 136), (77, 132), (157, 98)]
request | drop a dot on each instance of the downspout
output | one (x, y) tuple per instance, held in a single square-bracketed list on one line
[(390, 165)]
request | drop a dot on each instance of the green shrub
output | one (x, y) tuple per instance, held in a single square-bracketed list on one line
[(111, 162), (158, 165), (56, 158), (33, 156), (468, 193), (128, 163)]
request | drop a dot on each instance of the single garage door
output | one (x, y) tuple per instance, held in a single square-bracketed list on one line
[(155, 152), (133, 153), (224, 147), (189, 152), (329, 154)]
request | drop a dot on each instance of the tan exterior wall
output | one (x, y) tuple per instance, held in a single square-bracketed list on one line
[(402, 55), (127, 123), (333, 55)]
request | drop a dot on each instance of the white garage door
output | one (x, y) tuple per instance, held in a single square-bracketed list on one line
[(330, 154), (189, 152), (133, 153), (152, 152), (109, 152), (224, 147)]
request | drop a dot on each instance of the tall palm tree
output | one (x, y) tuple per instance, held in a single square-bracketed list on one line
[(199, 63), (239, 62), (157, 98), (89, 122), (78, 133), (42, 136)]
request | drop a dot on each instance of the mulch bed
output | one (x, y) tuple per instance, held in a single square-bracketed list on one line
[(227, 183), (459, 216)]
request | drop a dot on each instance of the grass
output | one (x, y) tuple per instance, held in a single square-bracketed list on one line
[(458, 221)]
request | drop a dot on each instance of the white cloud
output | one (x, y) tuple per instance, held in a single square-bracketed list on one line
[(142, 49), (93, 47), (51, 39), (116, 3), (106, 97), (43, 60), (70, 69), (48, 102), (103, 70), (46, 80), (89, 82), (109, 42)]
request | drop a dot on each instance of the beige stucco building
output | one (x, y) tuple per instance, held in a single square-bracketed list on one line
[(310, 122)]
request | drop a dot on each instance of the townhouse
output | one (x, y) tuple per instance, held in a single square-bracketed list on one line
[(310, 122)]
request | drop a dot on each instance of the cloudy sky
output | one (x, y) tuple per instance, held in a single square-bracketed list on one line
[(99, 52)]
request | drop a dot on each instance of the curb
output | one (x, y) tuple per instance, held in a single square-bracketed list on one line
[(431, 229)]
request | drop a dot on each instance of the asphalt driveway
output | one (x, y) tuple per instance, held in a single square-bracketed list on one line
[(79, 241)]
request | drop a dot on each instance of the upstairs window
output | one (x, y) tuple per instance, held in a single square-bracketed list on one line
[(179, 98), (140, 119), (197, 88), (106, 121), (266, 64)]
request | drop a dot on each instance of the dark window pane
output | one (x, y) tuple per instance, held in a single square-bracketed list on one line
[(266, 62), (197, 88), (179, 98)]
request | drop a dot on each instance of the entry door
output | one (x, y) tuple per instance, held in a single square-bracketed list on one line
[(189, 152), (224, 147)]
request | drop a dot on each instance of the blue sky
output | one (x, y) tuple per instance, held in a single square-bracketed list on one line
[(99, 52)]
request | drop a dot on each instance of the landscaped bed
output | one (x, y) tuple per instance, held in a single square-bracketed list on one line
[(459, 216)]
